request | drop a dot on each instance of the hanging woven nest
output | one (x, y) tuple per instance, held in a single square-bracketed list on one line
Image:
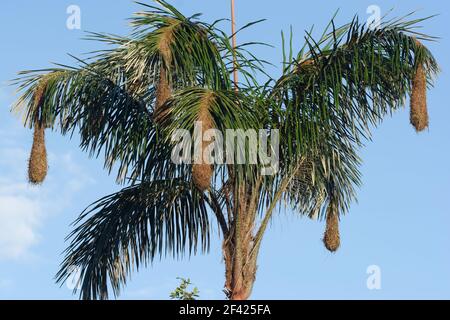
[(163, 93), (202, 173), (418, 108), (331, 237), (37, 164), (163, 87)]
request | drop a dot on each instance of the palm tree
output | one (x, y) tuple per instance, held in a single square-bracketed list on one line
[(173, 70)]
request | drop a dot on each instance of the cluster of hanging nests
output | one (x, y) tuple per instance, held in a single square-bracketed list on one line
[(202, 173), (419, 120)]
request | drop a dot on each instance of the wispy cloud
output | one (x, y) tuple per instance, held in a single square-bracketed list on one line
[(24, 208), (20, 217), (21, 209)]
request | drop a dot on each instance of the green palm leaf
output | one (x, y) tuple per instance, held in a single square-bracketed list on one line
[(125, 230)]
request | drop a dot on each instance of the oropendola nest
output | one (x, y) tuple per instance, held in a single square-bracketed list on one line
[(163, 88), (202, 173), (331, 237), (37, 164), (419, 112), (163, 93)]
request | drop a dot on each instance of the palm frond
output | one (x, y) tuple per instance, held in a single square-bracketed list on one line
[(97, 104), (336, 92), (128, 229), (228, 110), (357, 74)]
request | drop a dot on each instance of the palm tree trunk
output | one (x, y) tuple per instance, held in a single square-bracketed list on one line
[(238, 246), (240, 269)]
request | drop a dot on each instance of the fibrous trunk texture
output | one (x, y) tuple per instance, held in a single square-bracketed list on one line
[(37, 165), (239, 277), (331, 237), (240, 254), (202, 172)]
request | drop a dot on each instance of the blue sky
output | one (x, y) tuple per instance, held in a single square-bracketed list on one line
[(400, 224)]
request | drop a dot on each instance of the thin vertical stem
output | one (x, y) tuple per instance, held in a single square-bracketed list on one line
[(233, 32)]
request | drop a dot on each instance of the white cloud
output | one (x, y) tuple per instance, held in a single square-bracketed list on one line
[(21, 207), (25, 208), (20, 216)]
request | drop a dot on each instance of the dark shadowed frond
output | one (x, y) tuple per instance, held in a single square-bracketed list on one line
[(128, 229)]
